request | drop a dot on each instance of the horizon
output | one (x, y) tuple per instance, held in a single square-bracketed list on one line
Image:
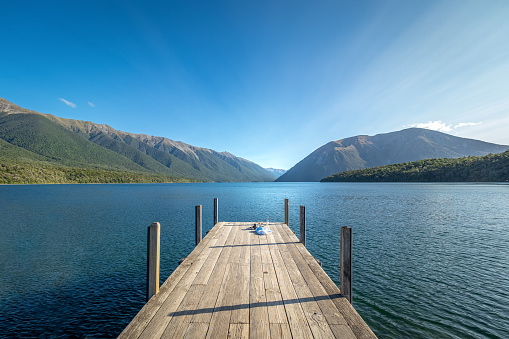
[(267, 82)]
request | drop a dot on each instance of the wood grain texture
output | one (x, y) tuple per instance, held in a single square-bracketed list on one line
[(198, 224), (216, 210), (345, 277), (287, 207), (139, 323), (302, 225), (238, 284), (153, 251)]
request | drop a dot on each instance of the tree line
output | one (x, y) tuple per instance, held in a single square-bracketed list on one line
[(46, 173), (488, 168)]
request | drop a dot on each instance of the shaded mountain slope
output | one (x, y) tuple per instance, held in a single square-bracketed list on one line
[(86, 144), (382, 149), (38, 135)]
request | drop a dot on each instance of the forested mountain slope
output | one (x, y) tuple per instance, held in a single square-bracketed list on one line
[(383, 149), (488, 168), (84, 144)]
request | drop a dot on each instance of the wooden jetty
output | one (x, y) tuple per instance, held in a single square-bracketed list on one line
[(238, 284)]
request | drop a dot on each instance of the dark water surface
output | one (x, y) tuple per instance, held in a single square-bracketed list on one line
[(430, 260)]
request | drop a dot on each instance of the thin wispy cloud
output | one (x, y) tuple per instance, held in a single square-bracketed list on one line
[(442, 126), (463, 124), (68, 103), (91, 104)]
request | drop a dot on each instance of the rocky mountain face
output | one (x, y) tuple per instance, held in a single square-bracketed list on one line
[(383, 149), (85, 143)]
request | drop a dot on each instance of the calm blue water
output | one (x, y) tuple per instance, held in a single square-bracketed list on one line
[(430, 260)]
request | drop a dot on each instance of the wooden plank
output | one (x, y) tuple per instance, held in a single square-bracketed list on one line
[(237, 284), (342, 331), (264, 248), (275, 307), (296, 318), (207, 303), (237, 245), (141, 320), (196, 330), (316, 320), (160, 320), (280, 331), (179, 322), (240, 314), (238, 331), (258, 315), (206, 271), (321, 296), (220, 321), (354, 320)]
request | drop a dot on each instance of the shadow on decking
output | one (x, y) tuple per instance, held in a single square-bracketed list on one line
[(247, 306), (241, 245)]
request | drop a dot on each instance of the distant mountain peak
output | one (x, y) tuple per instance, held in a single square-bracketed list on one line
[(365, 151), (9, 108)]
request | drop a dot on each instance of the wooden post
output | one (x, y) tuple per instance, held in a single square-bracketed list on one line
[(346, 262), (198, 224), (216, 211), (286, 212), (302, 225), (153, 244)]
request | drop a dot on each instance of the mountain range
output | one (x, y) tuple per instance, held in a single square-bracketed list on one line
[(364, 151), (31, 141), (27, 135)]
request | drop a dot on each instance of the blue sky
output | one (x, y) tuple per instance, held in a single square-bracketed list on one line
[(269, 81)]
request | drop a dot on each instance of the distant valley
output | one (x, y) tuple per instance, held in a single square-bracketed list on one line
[(276, 172), (364, 151)]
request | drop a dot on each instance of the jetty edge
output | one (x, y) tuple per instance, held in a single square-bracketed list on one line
[(238, 284)]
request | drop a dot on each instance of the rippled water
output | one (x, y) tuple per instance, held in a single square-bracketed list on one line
[(430, 260)]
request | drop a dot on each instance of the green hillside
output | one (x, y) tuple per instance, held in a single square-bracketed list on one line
[(488, 168), (180, 159), (31, 142), (38, 135), (13, 152), (38, 172)]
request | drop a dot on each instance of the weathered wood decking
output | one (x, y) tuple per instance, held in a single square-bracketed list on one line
[(237, 284)]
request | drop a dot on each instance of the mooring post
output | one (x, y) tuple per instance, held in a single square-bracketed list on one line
[(302, 225), (198, 224), (216, 211), (346, 262), (153, 245), (286, 212)]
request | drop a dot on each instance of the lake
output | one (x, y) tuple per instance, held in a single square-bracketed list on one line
[(429, 260)]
